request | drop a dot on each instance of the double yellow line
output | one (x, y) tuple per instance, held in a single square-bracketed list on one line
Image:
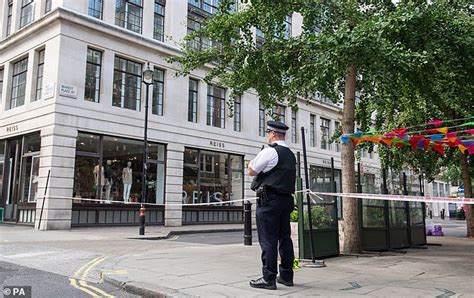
[(79, 279)]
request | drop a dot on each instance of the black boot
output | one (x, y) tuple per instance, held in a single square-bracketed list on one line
[(263, 284), (288, 283)]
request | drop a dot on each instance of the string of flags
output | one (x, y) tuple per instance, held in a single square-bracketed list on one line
[(436, 138)]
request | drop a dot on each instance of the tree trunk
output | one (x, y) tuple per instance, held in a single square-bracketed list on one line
[(352, 243), (466, 178)]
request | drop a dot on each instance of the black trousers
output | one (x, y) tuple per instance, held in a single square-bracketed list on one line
[(274, 236)]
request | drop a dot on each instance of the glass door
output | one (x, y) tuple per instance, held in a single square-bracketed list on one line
[(29, 178)]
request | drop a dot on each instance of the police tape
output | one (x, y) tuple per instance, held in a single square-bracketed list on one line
[(401, 198)]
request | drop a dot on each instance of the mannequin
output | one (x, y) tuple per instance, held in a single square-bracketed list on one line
[(108, 172), (127, 181), (99, 183)]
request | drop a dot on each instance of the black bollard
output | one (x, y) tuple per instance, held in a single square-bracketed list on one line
[(247, 223), (142, 220)]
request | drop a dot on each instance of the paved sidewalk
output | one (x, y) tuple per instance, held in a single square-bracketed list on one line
[(225, 270)]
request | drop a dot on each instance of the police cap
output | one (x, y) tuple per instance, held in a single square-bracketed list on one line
[(277, 126)]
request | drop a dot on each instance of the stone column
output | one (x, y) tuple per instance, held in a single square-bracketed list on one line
[(174, 185), (58, 147)]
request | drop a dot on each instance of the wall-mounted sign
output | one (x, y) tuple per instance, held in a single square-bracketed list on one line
[(217, 144), (12, 128), (48, 90), (68, 90)]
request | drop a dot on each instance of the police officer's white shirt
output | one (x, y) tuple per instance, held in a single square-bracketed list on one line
[(266, 159)]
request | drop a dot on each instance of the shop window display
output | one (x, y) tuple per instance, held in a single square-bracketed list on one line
[(212, 177), (110, 169)]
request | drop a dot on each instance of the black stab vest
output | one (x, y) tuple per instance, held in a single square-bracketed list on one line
[(282, 177)]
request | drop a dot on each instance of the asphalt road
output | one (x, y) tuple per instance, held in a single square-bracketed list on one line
[(47, 284), (214, 238)]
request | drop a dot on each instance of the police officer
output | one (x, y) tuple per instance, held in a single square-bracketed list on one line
[(274, 171)]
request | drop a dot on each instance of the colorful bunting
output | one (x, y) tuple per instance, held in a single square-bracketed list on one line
[(437, 138)]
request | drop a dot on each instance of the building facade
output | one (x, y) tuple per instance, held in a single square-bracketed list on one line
[(72, 106)]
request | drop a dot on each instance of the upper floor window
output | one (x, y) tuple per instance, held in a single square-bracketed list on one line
[(209, 6), (259, 37), (9, 17), (237, 114), (128, 14), (18, 92), (93, 71), (325, 133), (261, 120), (288, 20), (278, 113), (193, 100), (158, 91), (27, 12), (1, 85), (47, 6), (127, 84), (294, 127), (95, 8), (312, 131), (338, 127), (198, 43), (39, 74), (215, 106), (159, 20)]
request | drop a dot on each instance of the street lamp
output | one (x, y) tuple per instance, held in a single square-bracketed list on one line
[(147, 79)]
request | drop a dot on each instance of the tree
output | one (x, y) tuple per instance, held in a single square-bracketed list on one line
[(439, 88), (345, 48)]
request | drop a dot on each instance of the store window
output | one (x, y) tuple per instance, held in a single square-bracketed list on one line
[(320, 181), (212, 177), (30, 168), (215, 106), (158, 91), (119, 178), (127, 84), (159, 20), (27, 12), (193, 100), (93, 72), (20, 69), (95, 8), (128, 14), (39, 74)]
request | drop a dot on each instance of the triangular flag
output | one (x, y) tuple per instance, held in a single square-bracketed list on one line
[(471, 149), (439, 148), (462, 148), (426, 144), (442, 130), (355, 141), (435, 122), (400, 130), (470, 131), (344, 139), (435, 136), (357, 134)]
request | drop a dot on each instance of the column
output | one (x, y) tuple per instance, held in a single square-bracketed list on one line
[(174, 185)]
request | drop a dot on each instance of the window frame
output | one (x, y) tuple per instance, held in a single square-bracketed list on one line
[(261, 119), (157, 103), (325, 131), (126, 13), (21, 85), (160, 36), (279, 113), (25, 14), (123, 75), (193, 101), (312, 130), (212, 102), (94, 64), (294, 126), (9, 17), (92, 11), (47, 6), (237, 113), (39, 74)]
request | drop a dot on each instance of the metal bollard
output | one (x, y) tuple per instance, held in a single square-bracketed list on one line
[(247, 223), (142, 220)]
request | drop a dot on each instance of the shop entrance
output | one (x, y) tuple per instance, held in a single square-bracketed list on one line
[(19, 169)]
